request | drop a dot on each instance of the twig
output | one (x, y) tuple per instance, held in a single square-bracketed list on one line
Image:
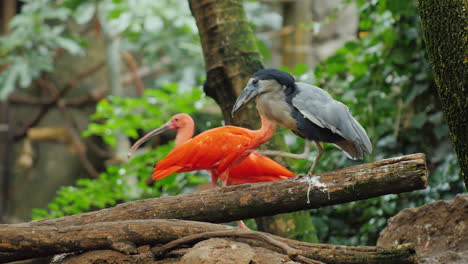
[(133, 67), (90, 98), (19, 99), (145, 72), (49, 86), (227, 233), (102, 153)]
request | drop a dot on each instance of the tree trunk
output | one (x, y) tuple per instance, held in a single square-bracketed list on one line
[(230, 52), (444, 24), (245, 201), (7, 11), (297, 15)]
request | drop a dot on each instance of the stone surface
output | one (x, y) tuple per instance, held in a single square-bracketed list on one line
[(439, 231)]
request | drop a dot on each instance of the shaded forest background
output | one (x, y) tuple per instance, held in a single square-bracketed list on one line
[(82, 80)]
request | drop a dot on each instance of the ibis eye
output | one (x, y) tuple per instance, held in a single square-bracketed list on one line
[(176, 119)]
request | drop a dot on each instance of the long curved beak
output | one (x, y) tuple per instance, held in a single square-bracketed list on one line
[(247, 95), (142, 140)]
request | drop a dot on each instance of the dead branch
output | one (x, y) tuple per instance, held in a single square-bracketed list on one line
[(23, 242), (70, 85), (245, 201), (91, 98)]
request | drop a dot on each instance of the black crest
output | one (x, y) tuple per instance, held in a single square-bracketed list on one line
[(281, 77)]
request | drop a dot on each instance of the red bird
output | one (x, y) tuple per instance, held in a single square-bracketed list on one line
[(224, 151), (254, 168)]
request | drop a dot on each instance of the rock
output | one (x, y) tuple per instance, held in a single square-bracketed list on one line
[(438, 230), (218, 250)]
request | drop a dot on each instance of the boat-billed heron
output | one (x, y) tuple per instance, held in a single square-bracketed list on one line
[(308, 111)]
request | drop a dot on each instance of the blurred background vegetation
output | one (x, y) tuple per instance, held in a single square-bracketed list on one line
[(379, 69)]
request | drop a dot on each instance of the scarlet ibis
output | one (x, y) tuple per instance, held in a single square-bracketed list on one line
[(254, 168), (218, 150), (307, 110), (215, 150)]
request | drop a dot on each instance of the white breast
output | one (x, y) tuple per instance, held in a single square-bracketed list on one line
[(277, 110)]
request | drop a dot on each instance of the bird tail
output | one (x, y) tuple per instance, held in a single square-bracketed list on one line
[(352, 151), (161, 173), (356, 143)]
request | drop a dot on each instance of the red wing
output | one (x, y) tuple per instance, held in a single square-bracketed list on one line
[(258, 168), (161, 173), (216, 149)]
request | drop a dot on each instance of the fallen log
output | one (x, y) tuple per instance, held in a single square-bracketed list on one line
[(24, 242), (220, 205)]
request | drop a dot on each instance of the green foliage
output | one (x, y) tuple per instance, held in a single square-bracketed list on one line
[(37, 32), (162, 31)]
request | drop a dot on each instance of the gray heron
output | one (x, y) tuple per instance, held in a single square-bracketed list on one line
[(308, 111)]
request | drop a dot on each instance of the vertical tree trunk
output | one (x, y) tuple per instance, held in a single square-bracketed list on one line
[(231, 57), (7, 11), (230, 52), (296, 44), (444, 24)]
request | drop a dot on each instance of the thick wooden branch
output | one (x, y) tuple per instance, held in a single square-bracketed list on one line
[(23, 242), (245, 201)]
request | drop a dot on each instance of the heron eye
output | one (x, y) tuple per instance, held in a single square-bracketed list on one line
[(255, 82)]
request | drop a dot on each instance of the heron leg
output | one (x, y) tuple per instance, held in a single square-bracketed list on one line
[(317, 158), (285, 154)]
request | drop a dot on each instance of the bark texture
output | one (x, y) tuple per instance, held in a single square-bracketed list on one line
[(444, 24), (23, 242), (245, 201), (230, 52)]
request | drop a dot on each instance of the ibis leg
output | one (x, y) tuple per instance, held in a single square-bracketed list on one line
[(317, 158), (242, 225), (224, 178), (284, 154)]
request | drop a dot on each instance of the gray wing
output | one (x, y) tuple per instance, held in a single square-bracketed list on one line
[(321, 109)]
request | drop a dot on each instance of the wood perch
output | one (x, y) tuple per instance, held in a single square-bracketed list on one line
[(24, 242), (245, 201)]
